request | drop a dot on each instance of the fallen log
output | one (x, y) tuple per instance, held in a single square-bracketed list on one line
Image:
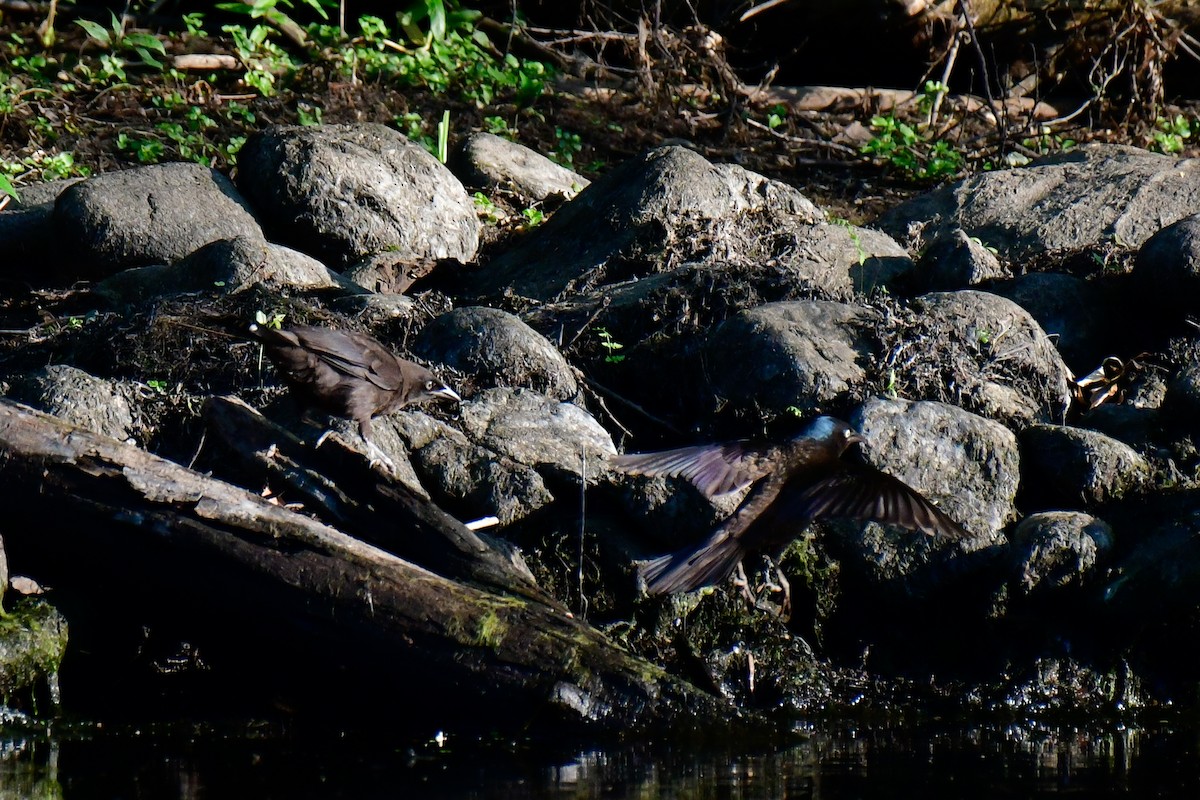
[(366, 500), (427, 641)]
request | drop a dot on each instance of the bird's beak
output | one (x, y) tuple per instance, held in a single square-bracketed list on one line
[(446, 393), (856, 438)]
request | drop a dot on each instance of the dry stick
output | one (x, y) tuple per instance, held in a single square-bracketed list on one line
[(964, 8), (951, 57), (587, 323), (598, 389), (841, 148)]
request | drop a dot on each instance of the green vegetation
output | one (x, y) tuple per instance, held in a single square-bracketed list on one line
[(282, 46), (486, 208), (1169, 134), (903, 146), (145, 46), (272, 320), (611, 346), (533, 216), (491, 631), (567, 146)]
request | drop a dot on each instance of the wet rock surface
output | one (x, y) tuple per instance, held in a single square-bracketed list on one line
[(676, 302)]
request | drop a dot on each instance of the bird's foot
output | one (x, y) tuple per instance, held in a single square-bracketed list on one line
[(378, 458), (743, 583), (774, 582)]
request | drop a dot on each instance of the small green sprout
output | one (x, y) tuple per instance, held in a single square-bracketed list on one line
[(610, 345)]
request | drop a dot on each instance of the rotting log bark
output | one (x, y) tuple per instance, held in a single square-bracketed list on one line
[(80, 495), (346, 490)]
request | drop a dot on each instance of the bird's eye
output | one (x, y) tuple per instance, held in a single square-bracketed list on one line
[(847, 433), (430, 386)]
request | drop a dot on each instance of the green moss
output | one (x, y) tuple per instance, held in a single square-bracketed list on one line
[(33, 638), (490, 631)]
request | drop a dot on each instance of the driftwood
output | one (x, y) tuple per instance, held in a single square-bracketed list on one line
[(76, 497)]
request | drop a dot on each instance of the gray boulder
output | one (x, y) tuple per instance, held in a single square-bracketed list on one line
[(92, 403), (1167, 268), (1055, 549), (344, 192), (497, 348), (558, 439), (147, 215), (669, 198), (808, 354), (30, 245), (1090, 195), (1076, 313), (227, 266), (983, 353), (470, 479), (491, 162), (1068, 467), (968, 465), (954, 260)]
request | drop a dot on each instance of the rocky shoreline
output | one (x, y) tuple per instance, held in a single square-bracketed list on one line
[(1017, 346)]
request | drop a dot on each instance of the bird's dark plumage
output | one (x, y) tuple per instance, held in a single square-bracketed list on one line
[(346, 373), (794, 483)]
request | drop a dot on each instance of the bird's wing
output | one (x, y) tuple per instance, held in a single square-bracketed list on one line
[(714, 469), (864, 493), (353, 354)]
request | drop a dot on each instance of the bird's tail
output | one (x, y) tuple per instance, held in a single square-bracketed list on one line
[(692, 567)]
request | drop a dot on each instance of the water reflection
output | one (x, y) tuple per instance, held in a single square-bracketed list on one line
[(821, 762)]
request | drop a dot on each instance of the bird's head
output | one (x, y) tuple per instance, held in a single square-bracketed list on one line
[(834, 431), (430, 388)]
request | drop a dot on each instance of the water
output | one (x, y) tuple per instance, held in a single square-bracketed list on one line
[(830, 761)]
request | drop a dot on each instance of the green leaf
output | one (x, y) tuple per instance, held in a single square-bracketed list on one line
[(237, 8), (146, 41), (437, 19), (7, 188), (95, 31)]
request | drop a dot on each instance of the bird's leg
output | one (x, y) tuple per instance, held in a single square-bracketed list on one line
[(774, 581), (377, 458), (785, 608), (743, 583)]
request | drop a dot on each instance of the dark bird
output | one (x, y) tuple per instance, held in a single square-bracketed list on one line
[(348, 374), (795, 483)]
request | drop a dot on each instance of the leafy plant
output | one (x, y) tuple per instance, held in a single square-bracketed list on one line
[(260, 55), (498, 126), (146, 46), (855, 239), (566, 146), (412, 125), (439, 48), (1169, 134), (1047, 141), (903, 146), (533, 217), (194, 22), (486, 207), (929, 95), (309, 114), (611, 346), (274, 320), (776, 116), (6, 187), (146, 151)]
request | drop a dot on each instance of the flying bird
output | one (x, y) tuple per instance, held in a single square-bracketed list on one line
[(347, 374), (794, 483)]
